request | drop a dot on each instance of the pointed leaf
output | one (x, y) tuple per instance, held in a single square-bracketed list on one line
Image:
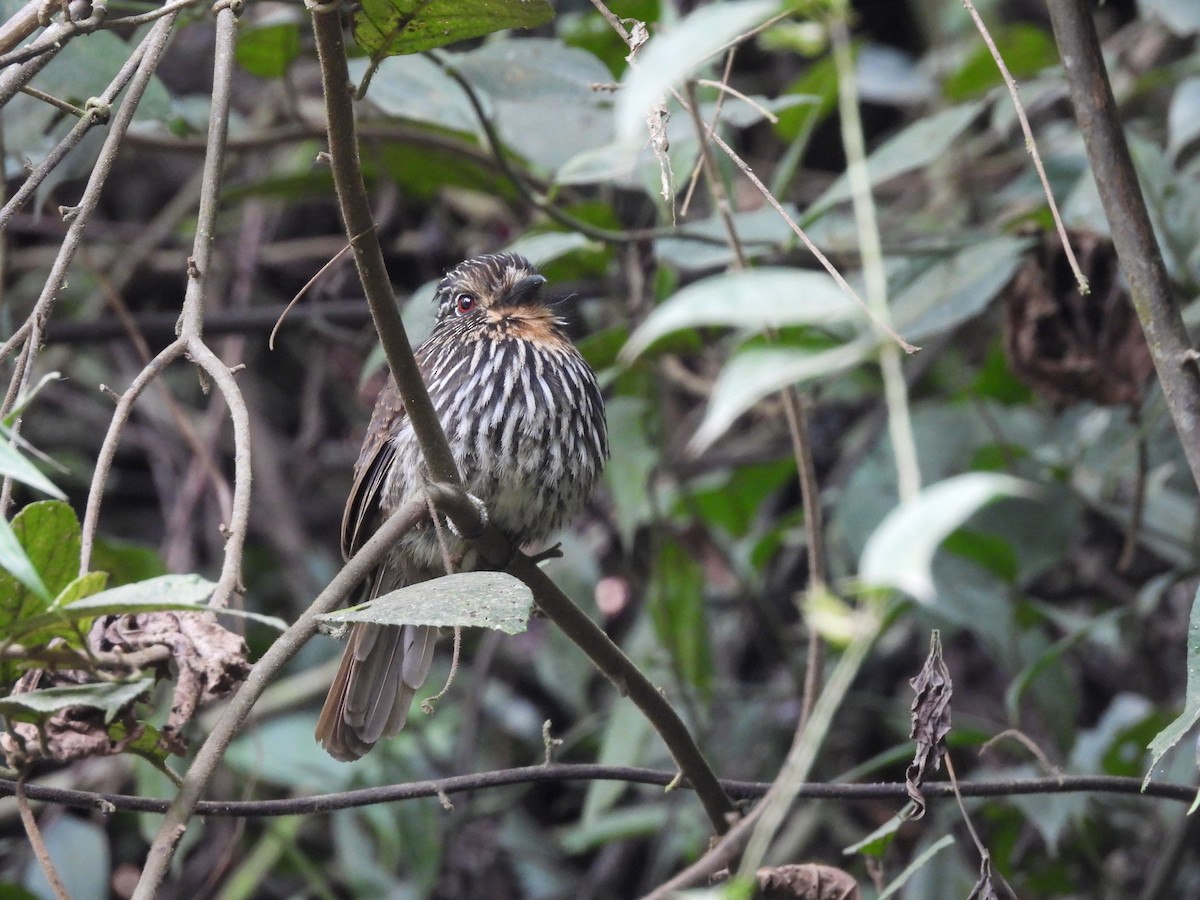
[(14, 465), (755, 299), (913, 148), (900, 551), (166, 593), (468, 599), (1171, 735), (37, 706), (15, 561), (754, 374)]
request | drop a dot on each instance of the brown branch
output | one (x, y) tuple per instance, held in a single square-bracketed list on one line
[(183, 807), (447, 490), (559, 772), (1128, 220)]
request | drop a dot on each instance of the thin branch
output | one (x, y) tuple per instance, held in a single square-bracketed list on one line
[(20, 66), (191, 320), (183, 807), (1030, 145), (39, 846), (112, 439), (1125, 208), (561, 772)]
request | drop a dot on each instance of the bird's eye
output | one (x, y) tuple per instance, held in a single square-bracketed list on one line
[(463, 304)]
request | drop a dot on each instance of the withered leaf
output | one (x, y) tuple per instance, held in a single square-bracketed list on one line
[(930, 721), (1069, 347), (984, 888), (808, 881)]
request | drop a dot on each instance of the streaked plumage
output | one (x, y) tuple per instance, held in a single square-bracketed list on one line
[(525, 421)]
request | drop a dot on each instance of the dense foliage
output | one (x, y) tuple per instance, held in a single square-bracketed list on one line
[(1014, 494)]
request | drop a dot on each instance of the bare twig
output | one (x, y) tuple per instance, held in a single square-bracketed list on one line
[(560, 772), (183, 807), (151, 48), (39, 846), (1030, 145)]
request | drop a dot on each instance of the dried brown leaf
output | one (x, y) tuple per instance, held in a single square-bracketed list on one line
[(984, 888), (808, 881), (930, 721), (1069, 347)]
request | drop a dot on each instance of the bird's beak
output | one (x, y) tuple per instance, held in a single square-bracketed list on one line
[(524, 290)]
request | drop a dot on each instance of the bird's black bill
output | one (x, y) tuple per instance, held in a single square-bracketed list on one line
[(524, 290)]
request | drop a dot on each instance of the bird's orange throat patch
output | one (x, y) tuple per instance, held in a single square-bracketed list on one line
[(526, 323)]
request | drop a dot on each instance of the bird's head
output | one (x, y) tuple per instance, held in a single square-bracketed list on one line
[(492, 289)]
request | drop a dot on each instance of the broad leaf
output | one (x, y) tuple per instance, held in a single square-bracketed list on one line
[(166, 593), (753, 374), (754, 300), (670, 57), (20, 576), (913, 148), (37, 706), (39, 555), (392, 27), (469, 599), (900, 552)]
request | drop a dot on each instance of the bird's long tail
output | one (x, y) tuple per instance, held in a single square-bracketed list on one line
[(381, 670)]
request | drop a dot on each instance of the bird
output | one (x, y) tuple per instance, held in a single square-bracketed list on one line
[(524, 418)]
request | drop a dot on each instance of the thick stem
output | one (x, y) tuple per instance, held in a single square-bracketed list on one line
[(1128, 220)]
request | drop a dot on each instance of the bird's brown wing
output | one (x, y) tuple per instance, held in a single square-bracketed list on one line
[(363, 507)]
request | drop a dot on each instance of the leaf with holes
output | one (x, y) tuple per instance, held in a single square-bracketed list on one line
[(392, 27), (469, 600)]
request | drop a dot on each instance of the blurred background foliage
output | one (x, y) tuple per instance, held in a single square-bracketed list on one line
[(1064, 608)]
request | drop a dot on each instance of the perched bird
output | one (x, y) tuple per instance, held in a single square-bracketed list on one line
[(525, 421)]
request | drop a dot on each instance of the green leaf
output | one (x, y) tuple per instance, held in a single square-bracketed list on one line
[(627, 733), (469, 599), (755, 373), (957, 288), (761, 231), (900, 552), (1025, 49), (753, 300), (84, 586), (541, 93), (21, 573), (37, 706), (49, 532), (630, 466), (418, 89), (677, 608), (1173, 733), (913, 148), (393, 27), (39, 553), (268, 49), (671, 56), (548, 246), (921, 859), (167, 593), (14, 465)]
